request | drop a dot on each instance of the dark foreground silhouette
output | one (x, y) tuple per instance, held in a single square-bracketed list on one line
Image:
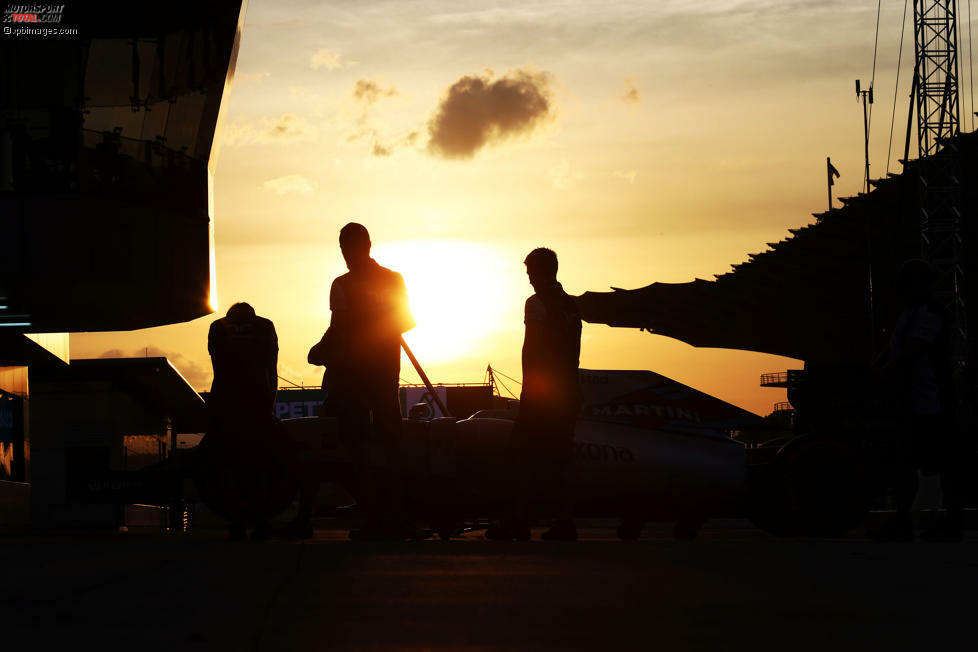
[(917, 370), (244, 353), (361, 352), (543, 434)]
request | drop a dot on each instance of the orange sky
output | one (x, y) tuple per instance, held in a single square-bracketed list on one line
[(642, 141)]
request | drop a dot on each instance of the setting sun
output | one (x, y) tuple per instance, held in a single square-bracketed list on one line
[(460, 293)]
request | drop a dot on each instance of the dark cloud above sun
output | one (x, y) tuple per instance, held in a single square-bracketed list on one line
[(481, 110)]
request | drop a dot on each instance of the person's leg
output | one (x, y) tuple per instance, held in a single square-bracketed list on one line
[(525, 463), (301, 526), (905, 491), (353, 421), (519, 525), (950, 455), (386, 410), (566, 472), (905, 483), (562, 451), (566, 488), (515, 490)]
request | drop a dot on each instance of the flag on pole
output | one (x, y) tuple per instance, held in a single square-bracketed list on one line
[(831, 171), (833, 175)]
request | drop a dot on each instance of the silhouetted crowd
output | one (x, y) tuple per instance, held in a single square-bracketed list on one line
[(361, 353)]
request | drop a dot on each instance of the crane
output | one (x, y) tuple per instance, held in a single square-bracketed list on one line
[(936, 96)]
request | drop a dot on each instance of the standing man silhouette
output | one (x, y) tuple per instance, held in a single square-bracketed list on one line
[(919, 367), (369, 313), (551, 398)]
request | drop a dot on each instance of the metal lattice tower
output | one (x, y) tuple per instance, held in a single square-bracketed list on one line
[(936, 47)]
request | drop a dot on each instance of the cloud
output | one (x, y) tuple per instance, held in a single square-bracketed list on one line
[(369, 91), (288, 128), (289, 183), (197, 375), (631, 94), (251, 76), (477, 111), (324, 59), (562, 177), (627, 175), (380, 149)]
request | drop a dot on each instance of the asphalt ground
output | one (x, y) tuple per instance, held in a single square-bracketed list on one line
[(734, 588)]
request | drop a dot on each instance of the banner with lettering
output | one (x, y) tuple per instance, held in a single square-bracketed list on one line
[(649, 400)]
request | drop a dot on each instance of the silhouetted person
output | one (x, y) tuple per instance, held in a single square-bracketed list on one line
[(244, 353), (362, 354), (543, 433), (919, 369)]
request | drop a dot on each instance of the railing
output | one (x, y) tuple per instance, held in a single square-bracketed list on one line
[(782, 378), (783, 406), (777, 379)]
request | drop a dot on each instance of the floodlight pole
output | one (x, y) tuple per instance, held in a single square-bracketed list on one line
[(867, 98)]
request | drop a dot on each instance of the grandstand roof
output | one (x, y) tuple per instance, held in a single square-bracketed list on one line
[(806, 296)]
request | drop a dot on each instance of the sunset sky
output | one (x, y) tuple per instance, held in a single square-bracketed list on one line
[(641, 141)]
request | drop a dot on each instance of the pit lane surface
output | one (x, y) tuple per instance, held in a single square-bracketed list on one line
[(733, 588)]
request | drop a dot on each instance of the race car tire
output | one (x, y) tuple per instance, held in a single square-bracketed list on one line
[(239, 487), (815, 487), (630, 530), (687, 530)]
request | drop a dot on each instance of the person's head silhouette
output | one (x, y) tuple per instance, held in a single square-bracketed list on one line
[(541, 267), (355, 245), (241, 311)]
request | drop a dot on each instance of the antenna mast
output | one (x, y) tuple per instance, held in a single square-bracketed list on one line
[(938, 125), (865, 95)]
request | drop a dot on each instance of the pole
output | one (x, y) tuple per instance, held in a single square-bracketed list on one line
[(866, 137), (828, 168), (424, 378), (913, 97)]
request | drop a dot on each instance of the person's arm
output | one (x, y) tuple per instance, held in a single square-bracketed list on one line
[(404, 320), (272, 369), (318, 354), (534, 348)]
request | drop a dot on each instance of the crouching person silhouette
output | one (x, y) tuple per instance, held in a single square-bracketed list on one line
[(543, 434), (244, 354)]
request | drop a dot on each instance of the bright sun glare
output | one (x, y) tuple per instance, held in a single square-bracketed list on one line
[(460, 294)]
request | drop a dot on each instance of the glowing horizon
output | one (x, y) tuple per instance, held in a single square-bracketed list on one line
[(642, 142)]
